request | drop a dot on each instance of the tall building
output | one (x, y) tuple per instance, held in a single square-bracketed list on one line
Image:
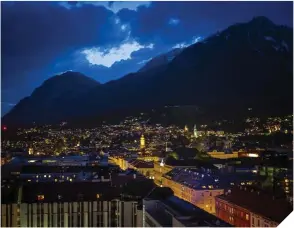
[(142, 142), (195, 132)]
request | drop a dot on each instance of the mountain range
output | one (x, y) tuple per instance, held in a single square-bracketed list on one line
[(246, 65)]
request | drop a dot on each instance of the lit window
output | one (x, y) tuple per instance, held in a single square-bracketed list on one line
[(247, 217), (41, 197), (97, 196)]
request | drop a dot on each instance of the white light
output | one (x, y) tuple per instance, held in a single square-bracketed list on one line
[(253, 155)]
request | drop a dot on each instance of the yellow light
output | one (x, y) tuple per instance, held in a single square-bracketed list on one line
[(97, 196), (70, 180), (286, 180), (41, 197), (203, 186), (55, 180), (29, 180)]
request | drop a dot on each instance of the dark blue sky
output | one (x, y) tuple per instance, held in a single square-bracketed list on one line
[(106, 40)]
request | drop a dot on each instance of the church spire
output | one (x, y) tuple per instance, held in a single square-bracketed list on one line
[(195, 132)]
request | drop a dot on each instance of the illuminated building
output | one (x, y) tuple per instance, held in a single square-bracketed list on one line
[(175, 212), (145, 168), (248, 207), (200, 193), (223, 155), (186, 129), (31, 151), (142, 142), (149, 158), (195, 132)]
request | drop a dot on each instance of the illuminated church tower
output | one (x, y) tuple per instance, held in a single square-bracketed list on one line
[(142, 142), (195, 132)]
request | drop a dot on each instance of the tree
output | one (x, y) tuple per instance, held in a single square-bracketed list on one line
[(174, 155)]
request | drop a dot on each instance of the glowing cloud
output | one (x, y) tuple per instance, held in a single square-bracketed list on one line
[(107, 57), (183, 45), (115, 7)]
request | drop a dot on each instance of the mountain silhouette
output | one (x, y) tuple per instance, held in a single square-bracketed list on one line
[(246, 65)]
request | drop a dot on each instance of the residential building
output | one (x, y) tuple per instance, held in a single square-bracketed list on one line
[(248, 207), (171, 211), (87, 204), (193, 186)]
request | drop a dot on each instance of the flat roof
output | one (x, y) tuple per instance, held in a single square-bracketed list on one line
[(86, 191)]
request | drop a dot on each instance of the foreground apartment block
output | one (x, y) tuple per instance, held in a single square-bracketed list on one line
[(248, 207), (78, 204)]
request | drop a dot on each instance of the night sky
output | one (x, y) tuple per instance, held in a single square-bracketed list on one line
[(106, 40)]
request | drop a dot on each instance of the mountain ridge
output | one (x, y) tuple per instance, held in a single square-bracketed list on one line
[(233, 69)]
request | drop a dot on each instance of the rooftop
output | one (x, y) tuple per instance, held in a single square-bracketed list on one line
[(186, 213), (139, 164), (259, 202), (132, 189), (37, 169), (192, 177)]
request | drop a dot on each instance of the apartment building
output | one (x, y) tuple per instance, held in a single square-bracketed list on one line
[(76, 204), (245, 206)]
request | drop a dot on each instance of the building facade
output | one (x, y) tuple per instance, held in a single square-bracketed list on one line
[(251, 207), (233, 214), (203, 197), (113, 213)]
